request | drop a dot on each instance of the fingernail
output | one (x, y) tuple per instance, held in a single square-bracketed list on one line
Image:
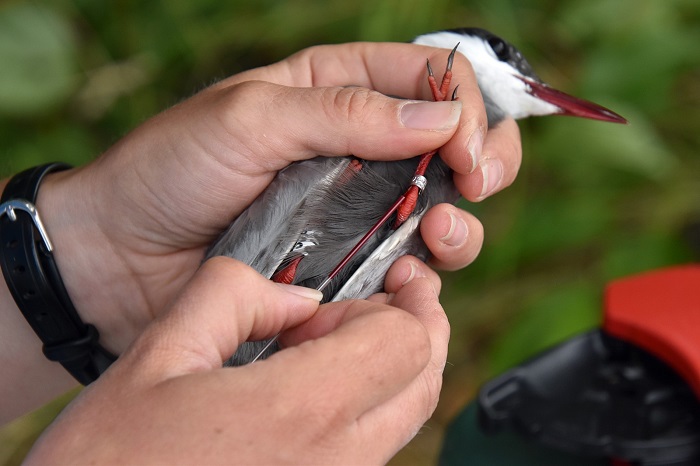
[(492, 171), (302, 291), (415, 272), (437, 116), (457, 234), (474, 146)]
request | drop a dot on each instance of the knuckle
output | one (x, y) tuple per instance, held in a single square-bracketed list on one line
[(350, 104), (216, 265), (227, 270), (240, 93), (228, 101), (307, 55), (237, 113), (253, 96)]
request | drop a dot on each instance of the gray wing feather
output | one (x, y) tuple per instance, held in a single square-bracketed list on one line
[(267, 230), (369, 277), (322, 194)]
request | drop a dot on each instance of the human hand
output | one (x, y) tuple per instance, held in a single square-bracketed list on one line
[(355, 383), (130, 229)]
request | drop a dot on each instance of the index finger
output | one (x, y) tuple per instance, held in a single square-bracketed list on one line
[(399, 419), (355, 355), (393, 69)]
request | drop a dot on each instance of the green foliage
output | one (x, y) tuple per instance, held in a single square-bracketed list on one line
[(544, 321), (37, 50), (593, 201)]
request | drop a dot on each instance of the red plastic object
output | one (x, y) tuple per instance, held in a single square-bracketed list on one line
[(660, 312)]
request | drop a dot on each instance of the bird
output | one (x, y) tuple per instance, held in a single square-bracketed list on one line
[(330, 223)]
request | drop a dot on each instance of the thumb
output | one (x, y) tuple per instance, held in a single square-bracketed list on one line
[(334, 121), (225, 303)]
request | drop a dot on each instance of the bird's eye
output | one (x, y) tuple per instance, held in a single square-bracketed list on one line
[(499, 47)]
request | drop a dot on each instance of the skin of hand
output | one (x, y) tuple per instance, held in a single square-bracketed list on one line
[(357, 383), (130, 228)]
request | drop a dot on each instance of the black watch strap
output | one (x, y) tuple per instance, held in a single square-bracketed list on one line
[(32, 276)]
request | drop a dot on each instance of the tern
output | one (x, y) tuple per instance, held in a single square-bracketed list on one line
[(336, 224)]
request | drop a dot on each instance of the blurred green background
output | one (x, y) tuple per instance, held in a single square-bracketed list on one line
[(593, 201)]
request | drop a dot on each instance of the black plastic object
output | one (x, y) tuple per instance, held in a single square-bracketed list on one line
[(465, 444), (600, 397)]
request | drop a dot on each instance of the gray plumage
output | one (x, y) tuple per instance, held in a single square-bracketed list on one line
[(321, 208)]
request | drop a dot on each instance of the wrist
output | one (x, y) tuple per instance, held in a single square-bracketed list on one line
[(81, 252), (30, 378)]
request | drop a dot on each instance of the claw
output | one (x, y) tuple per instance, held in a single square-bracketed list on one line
[(451, 58), (447, 77), (407, 205)]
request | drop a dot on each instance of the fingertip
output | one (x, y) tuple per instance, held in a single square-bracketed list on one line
[(499, 165), (456, 231), (453, 236), (371, 125), (407, 269), (301, 291), (474, 148), (435, 116), (491, 177), (226, 303), (465, 150)]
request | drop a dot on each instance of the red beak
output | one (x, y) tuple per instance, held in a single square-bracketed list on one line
[(570, 105)]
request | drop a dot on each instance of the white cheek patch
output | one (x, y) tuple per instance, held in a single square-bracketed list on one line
[(513, 96)]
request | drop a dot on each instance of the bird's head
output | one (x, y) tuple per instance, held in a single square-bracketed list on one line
[(508, 83)]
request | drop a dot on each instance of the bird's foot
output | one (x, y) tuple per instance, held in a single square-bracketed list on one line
[(440, 92)]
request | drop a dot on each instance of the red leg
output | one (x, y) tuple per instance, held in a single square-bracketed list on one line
[(404, 205), (287, 274), (439, 94), (447, 77)]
